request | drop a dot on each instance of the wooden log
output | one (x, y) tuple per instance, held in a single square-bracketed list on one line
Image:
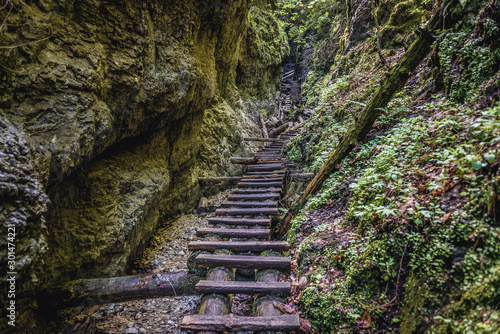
[(259, 184), (87, 292), (243, 161), (264, 128), (240, 221), (247, 212), (272, 288), (268, 156), (239, 246), (243, 261), (274, 133), (262, 177), (254, 197), (260, 168), (263, 233), (262, 139), (266, 172), (234, 323), (247, 204), (252, 178), (393, 82), (255, 191)]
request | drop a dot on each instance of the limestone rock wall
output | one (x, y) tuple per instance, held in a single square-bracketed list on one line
[(109, 112)]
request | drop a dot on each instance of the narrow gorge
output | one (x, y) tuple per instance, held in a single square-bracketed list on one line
[(128, 128)]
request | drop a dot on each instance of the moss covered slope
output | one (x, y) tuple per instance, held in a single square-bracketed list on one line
[(404, 236)]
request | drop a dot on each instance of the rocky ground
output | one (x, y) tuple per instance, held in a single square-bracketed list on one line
[(166, 253)]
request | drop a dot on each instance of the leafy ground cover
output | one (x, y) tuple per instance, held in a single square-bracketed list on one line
[(405, 236)]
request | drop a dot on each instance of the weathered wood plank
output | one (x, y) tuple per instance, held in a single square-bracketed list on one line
[(243, 287), (256, 191), (247, 212), (87, 292), (249, 233), (268, 179), (239, 246), (262, 177), (254, 197), (278, 130), (266, 172), (243, 204), (233, 323), (259, 168), (265, 184), (240, 221), (243, 261)]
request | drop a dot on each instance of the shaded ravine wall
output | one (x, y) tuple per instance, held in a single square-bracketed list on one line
[(108, 115)]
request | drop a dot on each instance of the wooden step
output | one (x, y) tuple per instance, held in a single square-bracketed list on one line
[(247, 212), (270, 150), (243, 287), (243, 261), (239, 246), (266, 173), (276, 160), (263, 184), (235, 323), (260, 168), (267, 176), (254, 197), (246, 233), (273, 162), (255, 191), (243, 204), (268, 179), (240, 221)]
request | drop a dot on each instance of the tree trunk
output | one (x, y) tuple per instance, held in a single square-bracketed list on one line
[(394, 81), (87, 292)]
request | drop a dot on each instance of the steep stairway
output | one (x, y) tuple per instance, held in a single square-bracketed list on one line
[(240, 240)]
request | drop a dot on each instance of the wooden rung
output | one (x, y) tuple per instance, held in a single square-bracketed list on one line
[(247, 233), (247, 212), (269, 150), (271, 162), (242, 204), (255, 191), (235, 323), (265, 184), (243, 287), (254, 197), (268, 156), (269, 179), (259, 168), (243, 261), (266, 173), (240, 221), (239, 246), (262, 177)]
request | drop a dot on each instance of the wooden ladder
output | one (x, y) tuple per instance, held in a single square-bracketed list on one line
[(240, 239)]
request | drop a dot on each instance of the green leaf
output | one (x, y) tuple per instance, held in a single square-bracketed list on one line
[(490, 157), (476, 165)]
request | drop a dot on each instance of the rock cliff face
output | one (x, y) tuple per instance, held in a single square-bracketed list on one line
[(108, 114)]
